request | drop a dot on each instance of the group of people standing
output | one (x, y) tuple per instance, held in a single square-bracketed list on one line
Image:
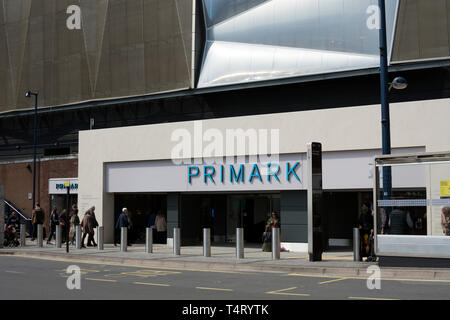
[(68, 224)]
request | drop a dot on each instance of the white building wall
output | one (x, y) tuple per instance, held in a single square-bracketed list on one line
[(421, 124)]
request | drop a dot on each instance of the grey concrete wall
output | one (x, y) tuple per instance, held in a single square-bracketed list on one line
[(294, 216), (173, 213)]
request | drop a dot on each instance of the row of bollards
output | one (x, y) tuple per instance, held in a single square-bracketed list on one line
[(149, 240), (206, 242), (58, 236), (40, 236)]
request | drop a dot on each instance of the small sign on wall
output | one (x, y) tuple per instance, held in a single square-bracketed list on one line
[(30, 196), (59, 186), (445, 189)]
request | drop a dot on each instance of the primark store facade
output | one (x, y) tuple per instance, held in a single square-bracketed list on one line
[(203, 110)]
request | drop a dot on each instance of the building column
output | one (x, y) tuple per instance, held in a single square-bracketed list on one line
[(294, 220), (107, 217), (173, 215)]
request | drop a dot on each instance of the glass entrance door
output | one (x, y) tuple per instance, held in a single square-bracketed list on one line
[(250, 212)]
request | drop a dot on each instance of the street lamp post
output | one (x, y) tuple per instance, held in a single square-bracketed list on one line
[(397, 83), (67, 185), (385, 119), (28, 95)]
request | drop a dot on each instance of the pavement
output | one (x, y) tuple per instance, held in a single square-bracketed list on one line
[(223, 258)]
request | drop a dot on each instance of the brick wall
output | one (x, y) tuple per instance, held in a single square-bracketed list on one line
[(18, 181)]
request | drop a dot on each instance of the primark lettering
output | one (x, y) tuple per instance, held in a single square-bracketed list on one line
[(258, 173)]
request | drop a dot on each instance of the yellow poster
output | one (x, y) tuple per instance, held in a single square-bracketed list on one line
[(445, 189)]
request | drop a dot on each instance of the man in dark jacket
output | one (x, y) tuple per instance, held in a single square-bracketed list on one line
[(122, 222), (12, 220), (54, 221), (399, 222), (365, 227)]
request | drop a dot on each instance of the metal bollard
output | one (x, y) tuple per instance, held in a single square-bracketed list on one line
[(23, 235), (40, 235), (100, 238), (123, 239), (207, 242), (176, 241), (78, 237), (149, 240), (356, 245), (240, 243), (276, 244), (58, 243)]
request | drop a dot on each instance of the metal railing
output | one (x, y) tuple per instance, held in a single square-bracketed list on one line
[(16, 210)]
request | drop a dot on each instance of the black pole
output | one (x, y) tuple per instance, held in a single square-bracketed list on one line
[(67, 218), (35, 147), (385, 118)]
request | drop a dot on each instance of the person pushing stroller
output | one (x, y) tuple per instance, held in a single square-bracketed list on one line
[(10, 234), (366, 229)]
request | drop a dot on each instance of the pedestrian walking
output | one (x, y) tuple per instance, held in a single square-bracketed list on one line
[(161, 228), (88, 230), (54, 221), (64, 224), (37, 217), (122, 222), (74, 222), (74, 208), (92, 213)]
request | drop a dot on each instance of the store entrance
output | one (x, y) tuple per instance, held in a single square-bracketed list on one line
[(250, 212), (140, 208), (341, 214), (223, 213), (200, 211)]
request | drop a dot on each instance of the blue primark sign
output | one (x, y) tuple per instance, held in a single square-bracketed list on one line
[(235, 173)]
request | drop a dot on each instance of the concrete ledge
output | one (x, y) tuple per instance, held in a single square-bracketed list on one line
[(414, 246), (313, 268)]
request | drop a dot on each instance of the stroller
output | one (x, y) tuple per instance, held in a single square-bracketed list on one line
[(11, 237)]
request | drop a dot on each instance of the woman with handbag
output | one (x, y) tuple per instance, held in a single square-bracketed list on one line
[(273, 222), (267, 239)]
